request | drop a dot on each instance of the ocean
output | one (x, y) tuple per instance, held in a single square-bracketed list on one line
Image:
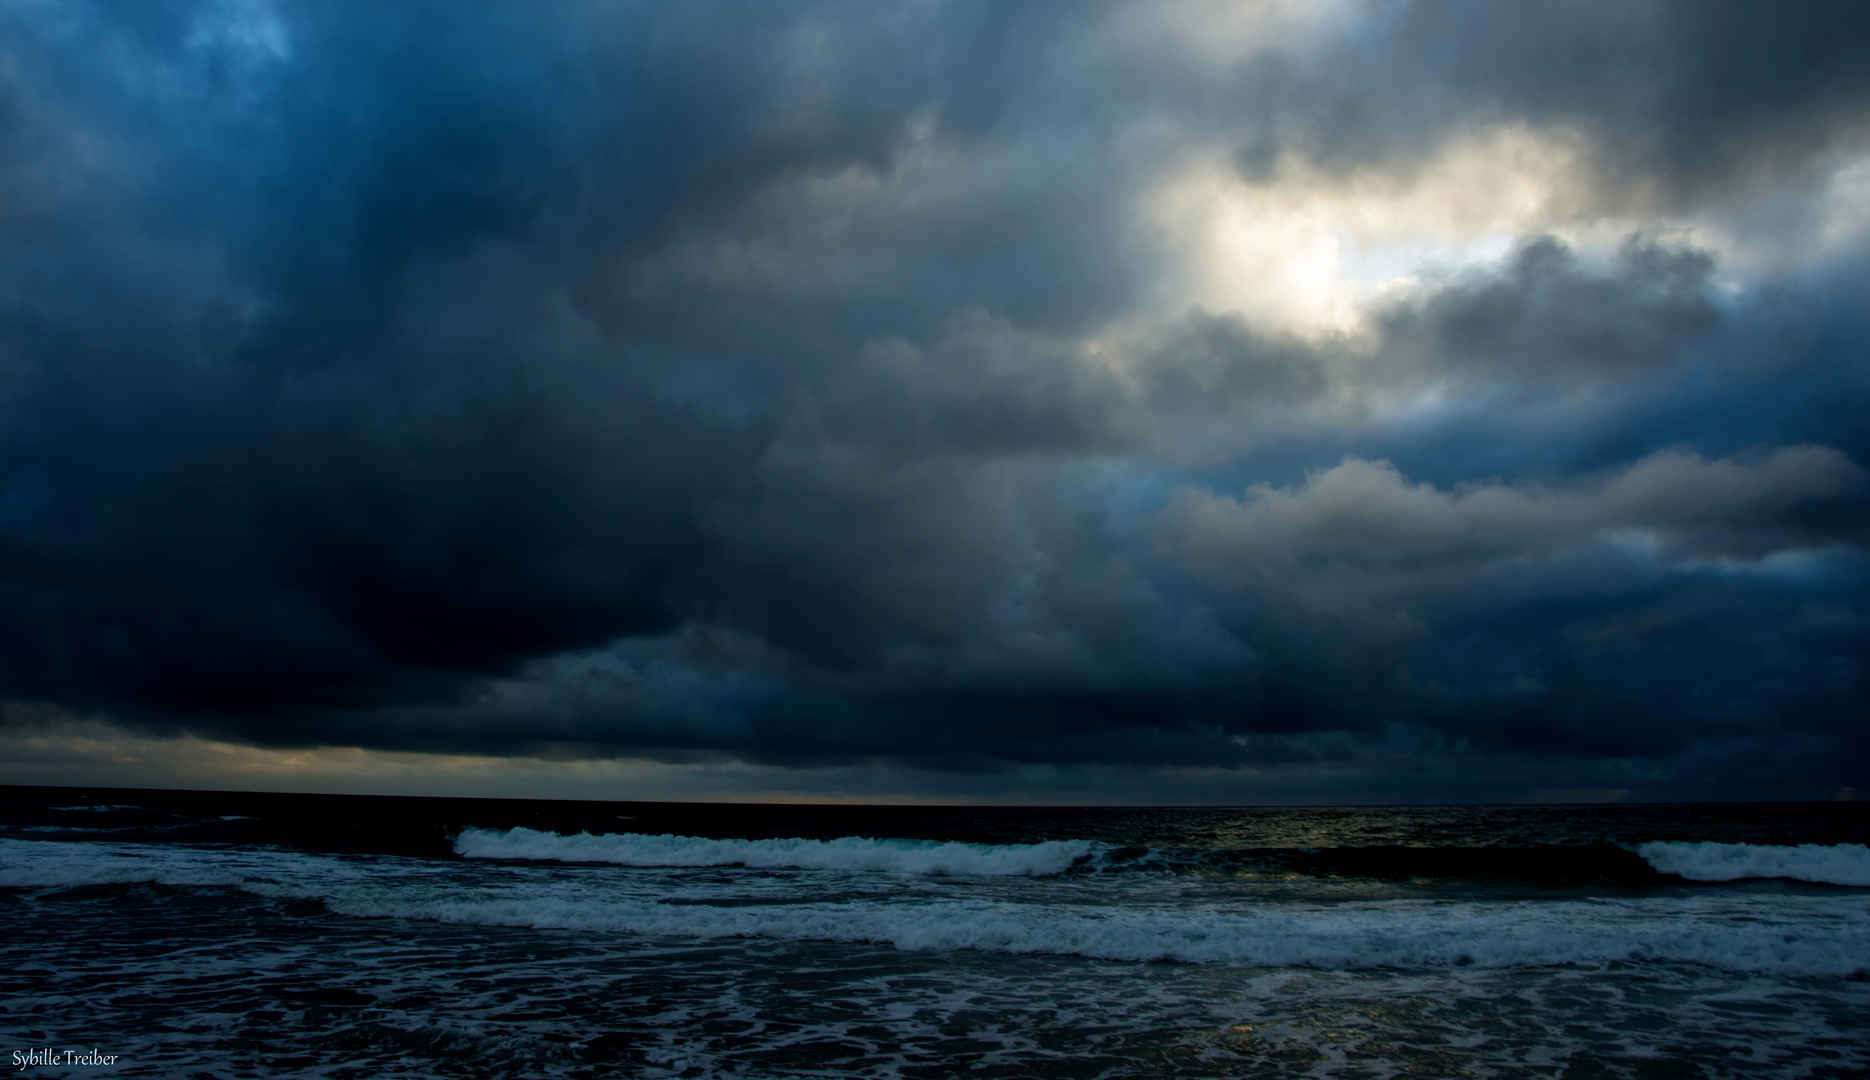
[(195, 934)]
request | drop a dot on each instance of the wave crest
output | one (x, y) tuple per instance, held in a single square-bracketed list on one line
[(1742, 930), (1838, 864), (846, 853)]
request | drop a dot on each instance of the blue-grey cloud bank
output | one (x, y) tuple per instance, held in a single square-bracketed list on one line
[(1396, 397)]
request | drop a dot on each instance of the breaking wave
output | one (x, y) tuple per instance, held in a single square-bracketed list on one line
[(1838, 864), (1809, 935), (846, 853), (1394, 934)]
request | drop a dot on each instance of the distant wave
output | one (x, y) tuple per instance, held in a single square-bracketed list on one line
[(1843, 864), (1839, 864), (846, 853)]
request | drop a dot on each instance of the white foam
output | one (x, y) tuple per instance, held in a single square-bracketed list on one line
[(845, 853), (1839, 864), (1391, 934), (1810, 935)]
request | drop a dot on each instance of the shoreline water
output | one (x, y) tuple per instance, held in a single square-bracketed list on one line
[(234, 934)]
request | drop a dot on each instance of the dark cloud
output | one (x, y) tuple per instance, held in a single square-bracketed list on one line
[(1515, 614), (1678, 102), (792, 383), (1547, 316)]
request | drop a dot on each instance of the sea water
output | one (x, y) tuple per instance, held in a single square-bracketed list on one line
[(224, 935)]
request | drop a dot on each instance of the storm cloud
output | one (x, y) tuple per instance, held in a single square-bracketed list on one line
[(1333, 391)]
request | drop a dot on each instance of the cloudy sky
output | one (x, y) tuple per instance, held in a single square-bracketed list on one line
[(1325, 400)]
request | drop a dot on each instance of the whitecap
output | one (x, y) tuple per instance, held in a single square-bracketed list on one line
[(1837, 864), (845, 853)]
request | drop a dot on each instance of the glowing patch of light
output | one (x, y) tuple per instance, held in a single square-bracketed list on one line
[(1307, 250)]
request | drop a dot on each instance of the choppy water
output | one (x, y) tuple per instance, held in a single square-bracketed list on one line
[(230, 935)]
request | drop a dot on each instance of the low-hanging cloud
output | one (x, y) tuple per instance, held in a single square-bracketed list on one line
[(1674, 508)]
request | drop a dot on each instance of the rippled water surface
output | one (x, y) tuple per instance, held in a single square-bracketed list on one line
[(232, 936)]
